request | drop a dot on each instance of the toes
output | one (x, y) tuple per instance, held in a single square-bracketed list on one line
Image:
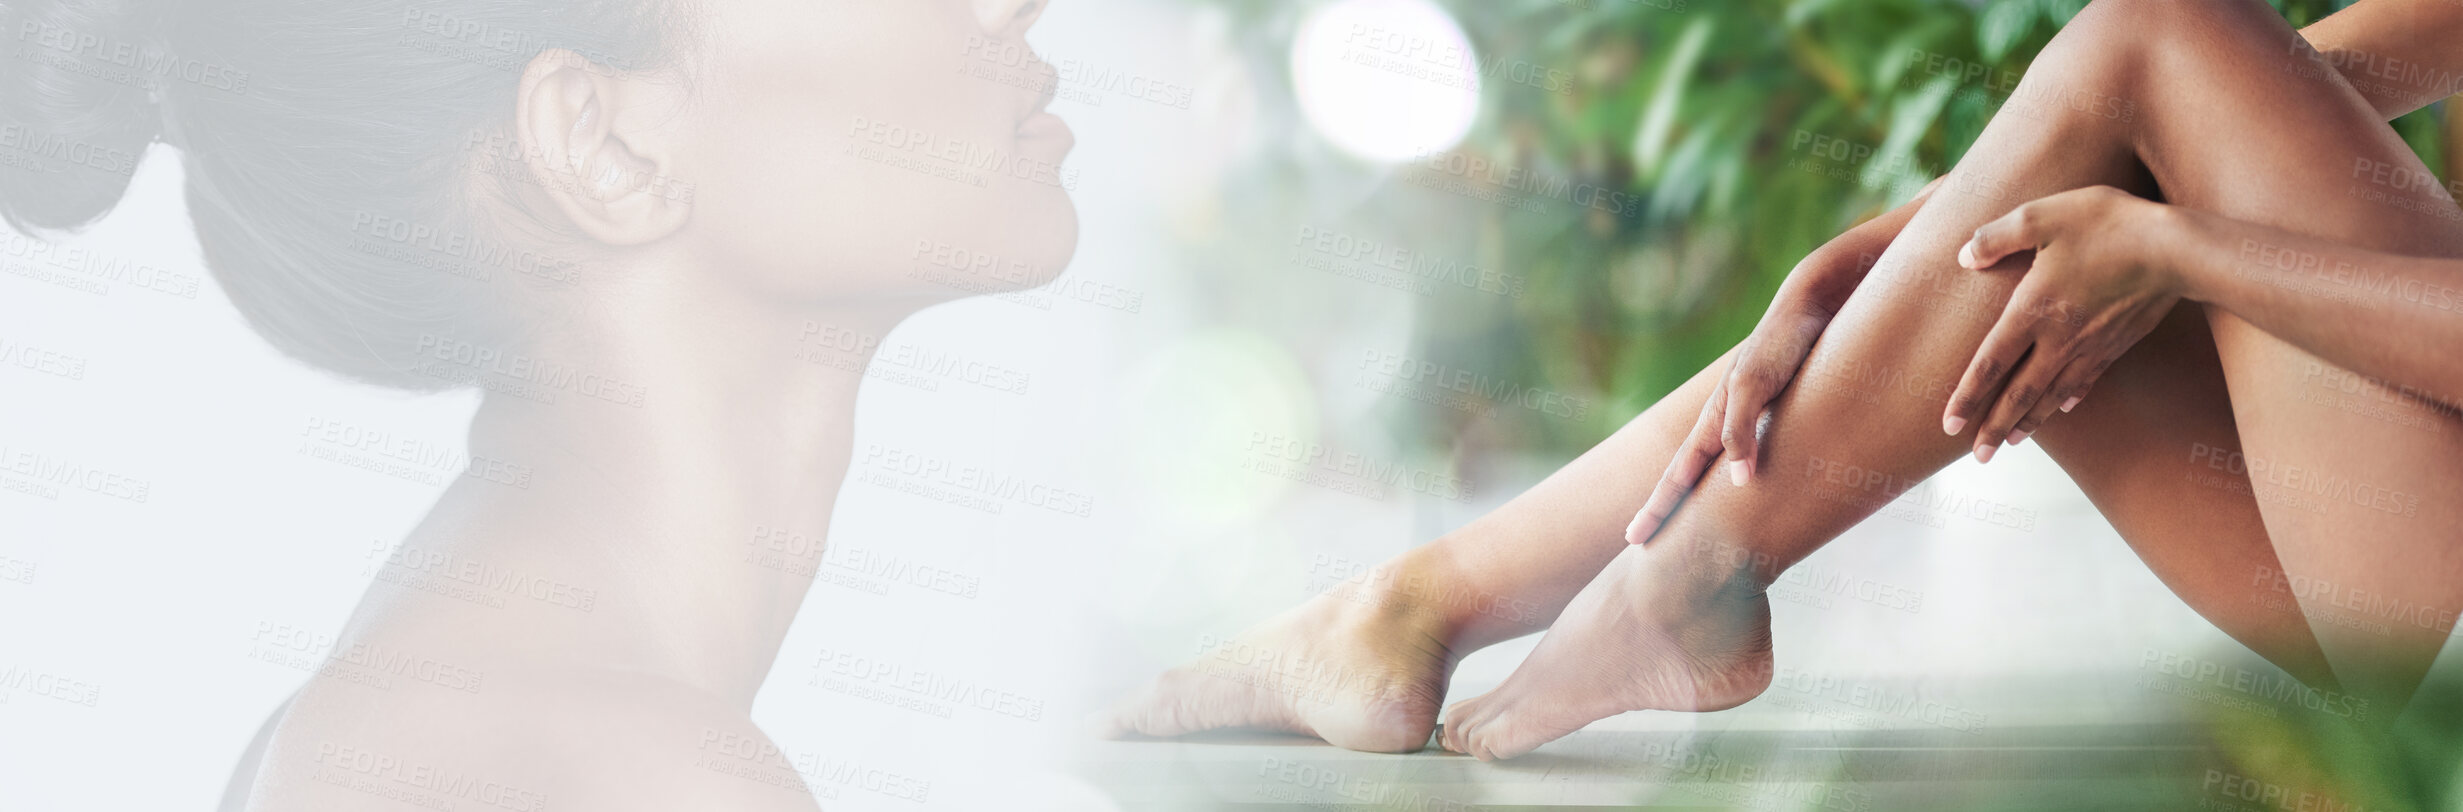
[(1182, 702), (1489, 728), (1460, 721), (1503, 738)]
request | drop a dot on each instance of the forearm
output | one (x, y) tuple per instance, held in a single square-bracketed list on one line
[(2392, 318), (2399, 54)]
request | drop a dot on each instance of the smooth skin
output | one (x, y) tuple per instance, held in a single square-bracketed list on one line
[(608, 625), (1679, 623)]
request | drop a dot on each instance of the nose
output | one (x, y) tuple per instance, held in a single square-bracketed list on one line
[(1008, 18)]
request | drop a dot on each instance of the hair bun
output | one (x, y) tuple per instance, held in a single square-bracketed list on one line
[(78, 106)]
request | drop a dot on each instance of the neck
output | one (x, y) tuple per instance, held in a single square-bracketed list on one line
[(683, 456)]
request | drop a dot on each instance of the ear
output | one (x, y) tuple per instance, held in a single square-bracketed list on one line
[(576, 124)]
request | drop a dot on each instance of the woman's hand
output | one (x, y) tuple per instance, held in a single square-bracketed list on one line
[(1768, 360), (2101, 281)]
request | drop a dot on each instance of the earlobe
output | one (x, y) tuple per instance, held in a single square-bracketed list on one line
[(605, 181)]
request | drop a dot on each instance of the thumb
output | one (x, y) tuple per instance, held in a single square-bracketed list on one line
[(2021, 230)]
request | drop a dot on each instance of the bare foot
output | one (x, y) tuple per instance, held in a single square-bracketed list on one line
[(1354, 669), (1659, 629)]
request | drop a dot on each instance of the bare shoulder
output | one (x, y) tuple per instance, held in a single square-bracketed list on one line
[(521, 742)]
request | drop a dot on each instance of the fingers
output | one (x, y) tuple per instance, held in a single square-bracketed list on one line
[(1756, 380), (2014, 232), (2019, 399), (2063, 395), (1700, 449), (1993, 363), (2037, 224), (2079, 395), (1748, 391)]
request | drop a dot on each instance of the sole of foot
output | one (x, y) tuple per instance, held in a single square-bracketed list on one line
[(1360, 674)]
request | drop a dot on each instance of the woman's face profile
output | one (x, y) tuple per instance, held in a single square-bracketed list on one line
[(890, 148)]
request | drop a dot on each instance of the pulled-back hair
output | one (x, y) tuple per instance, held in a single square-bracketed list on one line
[(337, 152)]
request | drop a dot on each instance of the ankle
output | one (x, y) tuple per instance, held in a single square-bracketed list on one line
[(1708, 573), (1417, 593)]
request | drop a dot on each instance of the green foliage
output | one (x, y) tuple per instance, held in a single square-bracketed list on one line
[(1725, 122)]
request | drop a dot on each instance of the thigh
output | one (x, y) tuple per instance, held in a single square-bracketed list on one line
[(2360, 487), (2201, 536)]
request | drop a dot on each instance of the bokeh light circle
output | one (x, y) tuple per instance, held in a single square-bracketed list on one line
[(1386, 80)]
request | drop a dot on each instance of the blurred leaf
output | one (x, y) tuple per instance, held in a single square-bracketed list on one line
[(1659, 119), (2004, 23)]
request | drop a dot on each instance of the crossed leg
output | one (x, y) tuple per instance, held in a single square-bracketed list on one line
[(2220, 106)]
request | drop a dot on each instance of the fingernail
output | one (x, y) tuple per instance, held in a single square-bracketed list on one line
[(1740, 471), (1952, 425), (1967, 255), (1984, 453), (2072, 403), (1634, 529), (2017, 437)]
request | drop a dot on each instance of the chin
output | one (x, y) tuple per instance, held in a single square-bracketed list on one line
[(1020, 249)]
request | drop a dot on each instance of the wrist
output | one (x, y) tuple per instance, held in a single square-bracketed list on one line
[(2174, 242)]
